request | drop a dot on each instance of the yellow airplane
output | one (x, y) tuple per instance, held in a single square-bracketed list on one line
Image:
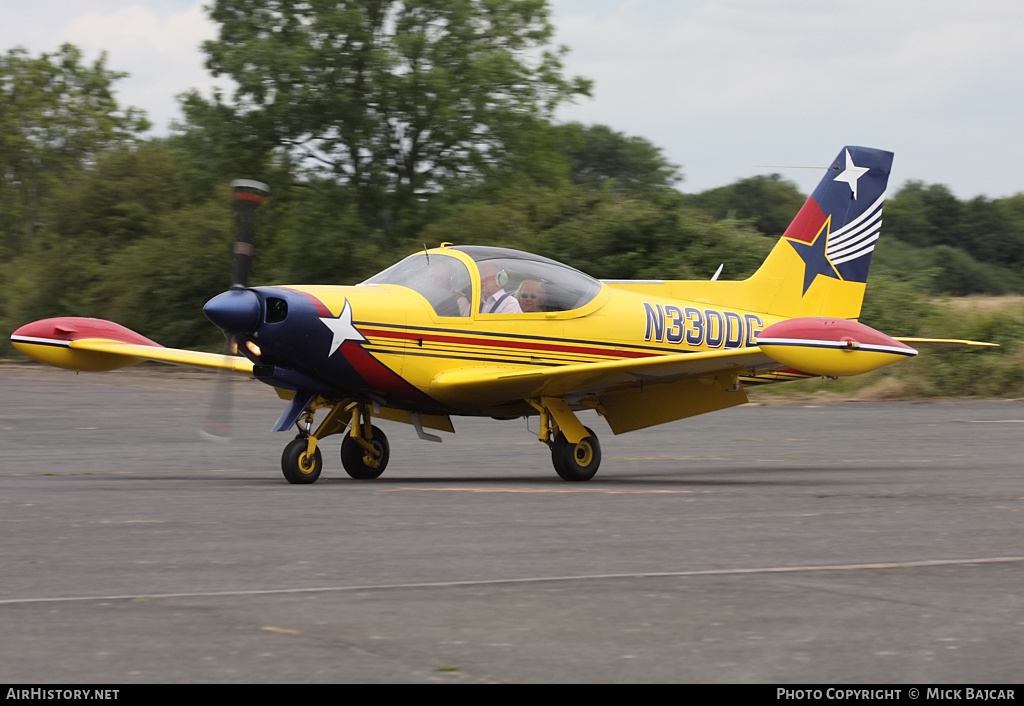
[(485, 331)]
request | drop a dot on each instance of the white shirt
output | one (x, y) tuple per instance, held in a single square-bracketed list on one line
[(508, 305)]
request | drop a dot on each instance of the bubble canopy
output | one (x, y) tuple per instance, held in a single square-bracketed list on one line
[(447, 283)]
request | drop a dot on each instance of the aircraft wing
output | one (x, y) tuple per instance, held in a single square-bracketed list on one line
[(176, 356), (638, 392), (567, 380), (79, 343)]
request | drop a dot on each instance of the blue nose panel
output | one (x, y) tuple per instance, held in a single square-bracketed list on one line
[(234, 311)]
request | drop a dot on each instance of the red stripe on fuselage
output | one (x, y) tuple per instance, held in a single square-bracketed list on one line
[(378, 376), (502, 343), (320, 306)]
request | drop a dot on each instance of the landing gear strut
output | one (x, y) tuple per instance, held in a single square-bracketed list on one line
[(575, 450), (362, 463), (364, 450)]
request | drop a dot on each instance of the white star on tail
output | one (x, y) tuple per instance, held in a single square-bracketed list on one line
[(342, 329), (851, 174)]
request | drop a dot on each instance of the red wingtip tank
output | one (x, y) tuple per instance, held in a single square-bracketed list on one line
[(51, 341), (831, 347)]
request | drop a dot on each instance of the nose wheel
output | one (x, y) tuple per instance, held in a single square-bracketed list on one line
[(299, 465)]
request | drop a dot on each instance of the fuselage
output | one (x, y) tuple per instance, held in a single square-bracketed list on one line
[(390, 340)]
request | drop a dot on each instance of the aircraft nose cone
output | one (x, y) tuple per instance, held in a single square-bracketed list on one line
[(234, 311)]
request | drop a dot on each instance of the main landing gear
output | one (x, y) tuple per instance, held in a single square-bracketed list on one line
[(575, 450), (364, 450), (579, 461)]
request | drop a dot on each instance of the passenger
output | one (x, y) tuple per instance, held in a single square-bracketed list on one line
[(493, 297), (531, 296)]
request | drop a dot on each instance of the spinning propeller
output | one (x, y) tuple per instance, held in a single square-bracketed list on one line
[(248, 196)]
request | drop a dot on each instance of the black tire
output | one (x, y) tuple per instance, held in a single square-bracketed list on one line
[(576, 462), (295, 464), (360, 464)]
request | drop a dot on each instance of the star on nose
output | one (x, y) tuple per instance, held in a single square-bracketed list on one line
[(342, 329), (851, 174)]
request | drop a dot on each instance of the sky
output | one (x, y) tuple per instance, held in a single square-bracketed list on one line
[(728, 89)]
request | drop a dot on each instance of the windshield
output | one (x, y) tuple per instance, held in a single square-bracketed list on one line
[(442, 280)]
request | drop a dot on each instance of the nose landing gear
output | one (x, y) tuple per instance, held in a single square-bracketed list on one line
[(298, 464), (364, 450)]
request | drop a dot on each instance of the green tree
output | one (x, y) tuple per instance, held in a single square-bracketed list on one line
[(56, 114), (925, 215), (769, 202), (598, 155), (1011, 239), (396, 100), (960, 274), (121, 242)]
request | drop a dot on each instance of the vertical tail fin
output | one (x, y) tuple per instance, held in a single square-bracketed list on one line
[(820, 265)]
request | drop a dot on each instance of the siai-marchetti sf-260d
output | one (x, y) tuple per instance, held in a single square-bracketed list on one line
[(483, 331)]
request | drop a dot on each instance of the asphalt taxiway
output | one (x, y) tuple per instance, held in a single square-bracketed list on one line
[(794, 543)]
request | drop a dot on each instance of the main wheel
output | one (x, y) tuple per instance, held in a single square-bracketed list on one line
[(576, 462), (360, 463), (298, 466)]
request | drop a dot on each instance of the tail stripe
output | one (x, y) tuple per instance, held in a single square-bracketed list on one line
[(868, 236), (871, 214), (853, 241), (869, 246), (858, 237)]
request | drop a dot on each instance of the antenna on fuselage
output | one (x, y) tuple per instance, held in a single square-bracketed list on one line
[(717, 272)]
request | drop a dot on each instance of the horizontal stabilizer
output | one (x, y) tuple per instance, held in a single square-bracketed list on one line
[(944, 343)]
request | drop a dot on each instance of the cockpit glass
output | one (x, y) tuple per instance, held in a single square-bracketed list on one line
[(523, 283), (537, 285), (442, 280)]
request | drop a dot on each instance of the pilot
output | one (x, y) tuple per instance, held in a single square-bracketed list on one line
[(493, 298), (442, 274), (531, 296)]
